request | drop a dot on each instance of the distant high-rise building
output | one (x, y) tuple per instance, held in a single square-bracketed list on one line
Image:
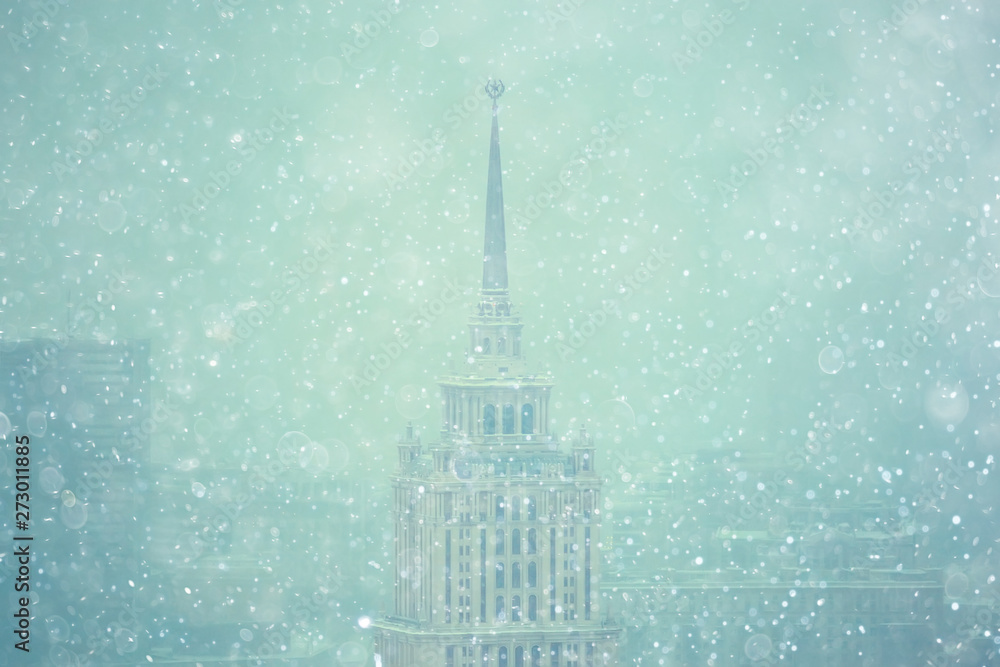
[(497, 528), (85, 407)]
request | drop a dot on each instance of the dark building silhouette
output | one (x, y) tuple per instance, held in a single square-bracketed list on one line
[(497, 526), (85, 406), (754, 574)]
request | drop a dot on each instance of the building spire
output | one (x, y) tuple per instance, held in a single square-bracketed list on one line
[(495, 251)]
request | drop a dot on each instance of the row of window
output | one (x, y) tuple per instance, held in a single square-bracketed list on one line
[(530, 544), (515, 508), (522, 655), (515, 609), (486, 347), (518, 508), (519, 656), (507, 419), (515, 575)]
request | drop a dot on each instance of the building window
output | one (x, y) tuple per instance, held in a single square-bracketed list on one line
[(508, 419), (515, 575), (500, 578), (515, 541), (531, 541), (515, 608), (490, 420), (501, 616), (527, 417), (532, 608), (483, 504), (532, 574), (486, 346), (536, 655), (501, 345), (500, 542), (519, 656), (515, 508), (502, 656), (532, 512), (500, 505)]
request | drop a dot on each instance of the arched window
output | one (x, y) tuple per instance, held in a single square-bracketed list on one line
[(527, 417), (536, 655), (519, 656), (502, 656), (500, 542), (500, 609), (532, 608), (515, 575), (515, 508), (531, 540), (532, 574), (500, 508), (500, 581), (501, 345), (508, 419), (515, 608), (490, 420), (515, 541), (532, 512), (486, 346)]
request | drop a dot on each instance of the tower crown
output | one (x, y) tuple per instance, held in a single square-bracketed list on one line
[(494, 400)]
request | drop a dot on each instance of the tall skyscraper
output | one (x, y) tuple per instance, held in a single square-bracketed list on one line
[(497, 527)]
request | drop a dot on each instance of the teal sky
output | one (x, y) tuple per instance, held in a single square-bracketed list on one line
[(277, 194)]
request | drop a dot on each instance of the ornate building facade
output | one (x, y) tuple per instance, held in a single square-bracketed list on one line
[(497, 526)]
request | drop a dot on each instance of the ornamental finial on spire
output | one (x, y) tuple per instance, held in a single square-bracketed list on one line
[(494, 89)]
